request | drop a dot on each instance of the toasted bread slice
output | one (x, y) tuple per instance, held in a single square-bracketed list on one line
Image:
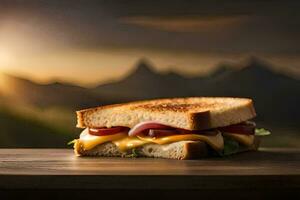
[(194, 113), (177, 150), (181, 150)]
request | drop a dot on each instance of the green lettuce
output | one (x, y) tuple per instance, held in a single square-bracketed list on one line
[(134, 154), (262, 132), (230, 147), (72, 142)]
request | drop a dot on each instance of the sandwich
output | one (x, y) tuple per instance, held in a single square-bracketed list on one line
[(176, 128)]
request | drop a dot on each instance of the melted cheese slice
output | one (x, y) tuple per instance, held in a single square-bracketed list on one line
[(127, 143), (215, 141), (246, 140), (90, 141), (124, 143)]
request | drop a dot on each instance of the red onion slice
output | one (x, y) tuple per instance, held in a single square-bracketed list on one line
[(107, 131), (143, 126)]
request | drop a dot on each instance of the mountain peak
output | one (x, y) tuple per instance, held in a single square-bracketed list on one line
[(255, 63), (255, 60), (143, 71), (222, 70), (144, 66)]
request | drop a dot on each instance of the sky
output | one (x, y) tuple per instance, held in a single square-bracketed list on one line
[(95, 41)]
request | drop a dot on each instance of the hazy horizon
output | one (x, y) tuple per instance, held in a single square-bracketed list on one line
[(241, 63)]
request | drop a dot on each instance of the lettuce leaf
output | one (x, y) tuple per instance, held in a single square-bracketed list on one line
[(134, 154), (262, 132), (230, 147), (72, 142)]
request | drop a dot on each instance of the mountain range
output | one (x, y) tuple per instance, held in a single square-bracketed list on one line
[(276, 95)]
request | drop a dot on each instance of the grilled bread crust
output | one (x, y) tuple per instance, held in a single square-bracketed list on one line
[(193, 113)]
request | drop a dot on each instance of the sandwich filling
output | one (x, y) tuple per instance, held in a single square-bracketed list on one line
[(151, 132)]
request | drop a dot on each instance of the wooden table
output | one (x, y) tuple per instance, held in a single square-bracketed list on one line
[(270, 172)]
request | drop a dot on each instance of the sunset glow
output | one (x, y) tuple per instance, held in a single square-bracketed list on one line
[(5, 59), (104, 65), (100, 43)]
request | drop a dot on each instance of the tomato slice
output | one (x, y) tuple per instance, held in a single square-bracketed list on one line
[(107, 131), (243, 128)]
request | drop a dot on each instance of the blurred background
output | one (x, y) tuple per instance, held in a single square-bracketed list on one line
[(60, 56)]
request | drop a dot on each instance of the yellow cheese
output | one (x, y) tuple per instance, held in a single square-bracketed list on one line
[(246, 140), (124, 142), (127, 143), (215, 141), (90, 142)]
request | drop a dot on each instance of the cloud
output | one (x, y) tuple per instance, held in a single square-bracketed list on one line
[(204, 26), (187, 23)]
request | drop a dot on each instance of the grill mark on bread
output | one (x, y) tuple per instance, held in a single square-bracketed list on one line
[(175, 107)]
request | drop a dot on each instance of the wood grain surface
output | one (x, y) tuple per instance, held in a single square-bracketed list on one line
[(59, 168)]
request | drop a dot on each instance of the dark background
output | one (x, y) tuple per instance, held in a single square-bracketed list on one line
[(60, 56)]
